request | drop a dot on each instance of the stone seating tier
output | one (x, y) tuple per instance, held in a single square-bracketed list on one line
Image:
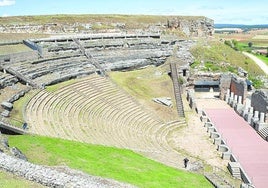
[(96, 111)]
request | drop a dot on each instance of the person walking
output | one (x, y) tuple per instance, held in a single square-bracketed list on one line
[(185, 161)]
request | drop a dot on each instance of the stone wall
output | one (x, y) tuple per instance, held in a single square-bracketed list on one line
[(50, 177), (239, 87), (235, 85), (259, 101), (225, 82)]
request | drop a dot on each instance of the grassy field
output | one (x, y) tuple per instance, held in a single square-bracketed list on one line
[(8, 180), (223, 57), (11, 37), (146, 84), (16, 37), (263, 58), (9, 49), (257, 37), (119, 164), (131, 21)]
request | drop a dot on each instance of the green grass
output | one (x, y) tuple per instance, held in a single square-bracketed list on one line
[(144, 83), (224, 58), (9, 49), (242, 46), (18, 106), (56, 87), (263, 58), (10, 181), (119, 164), (12, 37)]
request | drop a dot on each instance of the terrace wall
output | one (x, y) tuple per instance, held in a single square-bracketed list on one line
[(19, 57)]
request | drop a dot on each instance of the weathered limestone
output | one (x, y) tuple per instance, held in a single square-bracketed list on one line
[(62, 59), (249, 115), (259, 125), (234, 102), (227, 96), (52, 177), (7, 105), (231, 99), (225, 82), (190, 27), (239, 106), (235, 85), (255, 118)]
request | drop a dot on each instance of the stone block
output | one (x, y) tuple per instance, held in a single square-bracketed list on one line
[(7, 105)]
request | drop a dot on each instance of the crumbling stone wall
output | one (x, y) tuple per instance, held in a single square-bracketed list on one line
[(225, 82), (236, 85), (259, 102), (239, 87)]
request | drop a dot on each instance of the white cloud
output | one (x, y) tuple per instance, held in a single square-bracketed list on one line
[(7, 2), (5, 15)]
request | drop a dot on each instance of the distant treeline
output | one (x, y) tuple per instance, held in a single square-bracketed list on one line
[(241, 26)]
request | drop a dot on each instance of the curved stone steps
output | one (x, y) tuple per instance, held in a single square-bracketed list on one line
[(48, 124), (65, 122), (32, 112), (63, 109), (57, 131), (97, 111), (119, 118), (51, 115)]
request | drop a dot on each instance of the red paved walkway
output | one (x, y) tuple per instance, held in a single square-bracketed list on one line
[(246, 145)]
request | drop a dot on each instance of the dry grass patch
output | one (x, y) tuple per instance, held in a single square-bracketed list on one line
[(146, 84)]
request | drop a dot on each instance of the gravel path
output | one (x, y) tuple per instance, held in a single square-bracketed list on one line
[(259, 62)]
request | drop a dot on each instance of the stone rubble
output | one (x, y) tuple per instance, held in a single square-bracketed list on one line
[(53, 177)]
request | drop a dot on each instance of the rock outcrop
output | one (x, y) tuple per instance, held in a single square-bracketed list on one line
[(200, 27), (189, 25)]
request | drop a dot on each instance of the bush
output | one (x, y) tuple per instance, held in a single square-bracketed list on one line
[(257, 83)]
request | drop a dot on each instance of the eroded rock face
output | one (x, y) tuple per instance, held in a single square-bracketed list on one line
[(190, 26), (200, 27)]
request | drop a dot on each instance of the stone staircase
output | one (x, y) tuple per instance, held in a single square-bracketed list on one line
[(234, 168), (95, 63), (177, 89), (263, 133)]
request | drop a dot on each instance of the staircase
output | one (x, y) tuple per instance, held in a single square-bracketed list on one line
[(177, 89), (263, 133), (234, 168), (95, 63)]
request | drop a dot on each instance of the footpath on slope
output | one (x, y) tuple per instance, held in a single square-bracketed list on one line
[(259, 62)]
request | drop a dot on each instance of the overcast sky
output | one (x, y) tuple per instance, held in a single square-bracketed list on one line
[(221, 11)]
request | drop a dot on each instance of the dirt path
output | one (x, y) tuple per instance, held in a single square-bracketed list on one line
[(259, 62)]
